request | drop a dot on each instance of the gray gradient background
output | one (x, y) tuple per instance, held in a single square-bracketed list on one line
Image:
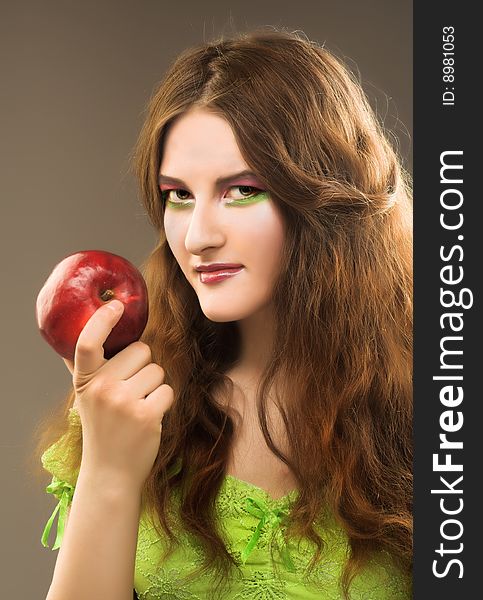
[(76, 77)]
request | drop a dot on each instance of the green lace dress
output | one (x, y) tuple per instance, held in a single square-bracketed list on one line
[(269, 568)]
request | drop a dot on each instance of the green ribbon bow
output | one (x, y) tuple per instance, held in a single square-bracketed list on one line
[(64, 491), (272, 518)]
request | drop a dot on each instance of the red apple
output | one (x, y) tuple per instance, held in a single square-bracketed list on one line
[(77, 287)]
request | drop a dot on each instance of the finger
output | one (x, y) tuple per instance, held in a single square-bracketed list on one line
[(69, 364), (129, 361), (160, 400), (89, 353), (146, 380)]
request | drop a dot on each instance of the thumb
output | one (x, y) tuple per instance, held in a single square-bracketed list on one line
[(69, 364), (89, 350)]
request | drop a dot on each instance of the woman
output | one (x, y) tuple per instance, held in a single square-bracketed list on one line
[(283, 379)]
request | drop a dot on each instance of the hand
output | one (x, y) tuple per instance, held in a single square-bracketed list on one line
[(121, 401)]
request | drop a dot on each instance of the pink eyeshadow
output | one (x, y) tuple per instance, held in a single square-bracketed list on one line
[(251, 181), (247, 181)]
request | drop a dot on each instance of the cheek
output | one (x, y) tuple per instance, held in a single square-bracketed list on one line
[(266, 236), (271, 253), (175, 235)]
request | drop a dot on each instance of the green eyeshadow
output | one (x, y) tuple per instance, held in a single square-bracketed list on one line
[(242, 202)]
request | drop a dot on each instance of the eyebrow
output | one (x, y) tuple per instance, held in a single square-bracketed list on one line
[(219, 181)]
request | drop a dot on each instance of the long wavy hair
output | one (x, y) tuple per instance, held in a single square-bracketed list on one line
[(343, 301)]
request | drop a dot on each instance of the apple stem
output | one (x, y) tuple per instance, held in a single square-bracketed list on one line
[(107, 295)]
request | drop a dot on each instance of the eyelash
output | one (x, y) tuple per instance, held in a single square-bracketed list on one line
[(165, 194)]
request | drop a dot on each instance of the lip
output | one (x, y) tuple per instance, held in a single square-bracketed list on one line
[(219, 275), (217, 267)]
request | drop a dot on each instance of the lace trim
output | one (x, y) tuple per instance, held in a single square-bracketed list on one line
[(253, 526), (63, 482), (262, 575)]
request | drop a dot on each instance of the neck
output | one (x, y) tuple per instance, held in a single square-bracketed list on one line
[(257, 337)]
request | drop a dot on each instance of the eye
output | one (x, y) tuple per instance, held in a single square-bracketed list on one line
[(252, 191), (175, 194), (179, 196)]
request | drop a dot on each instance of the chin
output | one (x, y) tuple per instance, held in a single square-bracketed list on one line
[(222, 316), (219, 314)]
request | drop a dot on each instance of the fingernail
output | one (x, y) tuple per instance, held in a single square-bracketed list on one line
[(115, 305)]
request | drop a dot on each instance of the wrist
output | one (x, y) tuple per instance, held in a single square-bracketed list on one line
[(112, 485)]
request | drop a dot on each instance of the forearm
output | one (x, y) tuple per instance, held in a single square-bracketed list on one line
[(97, 556)]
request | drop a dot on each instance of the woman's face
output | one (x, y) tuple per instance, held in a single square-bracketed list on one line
[(212, 215)]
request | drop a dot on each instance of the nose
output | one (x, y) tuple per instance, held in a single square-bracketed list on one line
[(205, 229)]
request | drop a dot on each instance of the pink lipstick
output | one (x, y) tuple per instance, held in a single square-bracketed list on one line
[(220, 275)]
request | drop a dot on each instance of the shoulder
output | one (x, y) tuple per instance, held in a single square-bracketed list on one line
[(61, 458)]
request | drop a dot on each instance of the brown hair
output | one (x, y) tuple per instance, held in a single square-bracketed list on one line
[(343, 299)]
